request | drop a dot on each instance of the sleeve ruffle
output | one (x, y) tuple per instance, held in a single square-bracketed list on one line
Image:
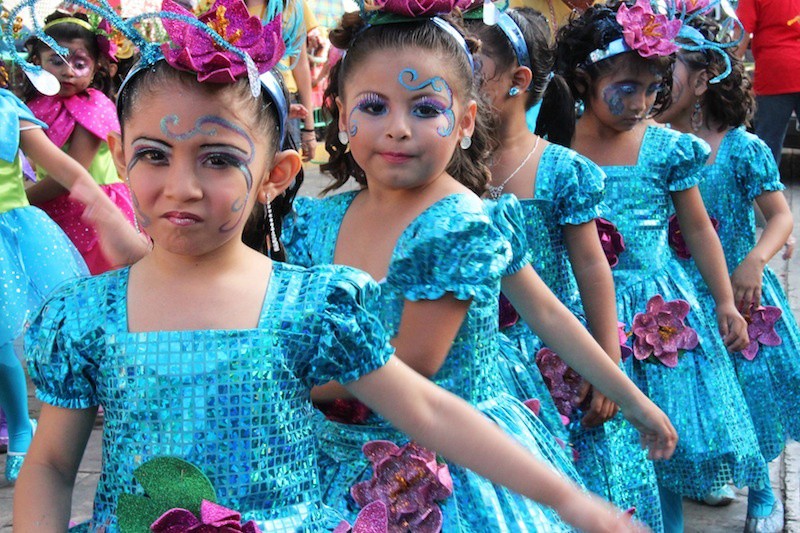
[(95, 112), (757, 169), (507, 216), (62, 350), (453, 249), (12, 110), (352, 341), (581, 189), (295, 234), (685, 160)]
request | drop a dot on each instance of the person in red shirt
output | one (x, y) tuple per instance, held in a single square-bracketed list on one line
[(774, 26)]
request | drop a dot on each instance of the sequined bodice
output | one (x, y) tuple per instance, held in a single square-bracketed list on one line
[(639, 202), (235, 403), (429, 260)]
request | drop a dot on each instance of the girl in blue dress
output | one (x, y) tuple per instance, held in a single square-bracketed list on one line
[(615, 59), (207, 350), (35, 255), (712, 97), (561, 195), (405, 108)]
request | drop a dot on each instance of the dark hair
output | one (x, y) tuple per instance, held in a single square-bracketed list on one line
[(68, 32), (558, 107), (467, 166), (593, 30), (265, 119), (730, 103)]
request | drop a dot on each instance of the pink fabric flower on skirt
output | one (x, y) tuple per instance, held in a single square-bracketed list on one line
[(213, 518), (508, 315), (611, 240), (761, 329), (374, 518), (562, 381), (409, 481), (661, 332), (648, 33), (194, 50), (625, 350), (676, 240)]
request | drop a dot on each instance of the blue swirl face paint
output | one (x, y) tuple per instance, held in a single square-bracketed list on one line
[(428, 105), (213, 156), (371, 104)]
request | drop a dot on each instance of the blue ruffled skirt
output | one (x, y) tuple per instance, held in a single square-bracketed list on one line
[(701, 395), (35, 257), (476, 503)]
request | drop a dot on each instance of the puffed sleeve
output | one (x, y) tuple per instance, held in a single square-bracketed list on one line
[(352, 341), (685, 158), (581, 186), (295, 235), (12, 110), (507, 216), (756, 168), (63, 346), (453, 247)]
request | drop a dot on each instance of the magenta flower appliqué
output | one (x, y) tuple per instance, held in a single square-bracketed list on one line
[(420, 8), (409, 481), (562, 381), (676, 240), (106, 41), (660, 332), (374, 518), (625, 350), (761, 329), (690, 6), (611, 240), (213, 518), (194, 50), (345, 411), (648, 33), (508, 315)]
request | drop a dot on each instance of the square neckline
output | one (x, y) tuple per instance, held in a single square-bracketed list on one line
[(262, 317), (639, 154)]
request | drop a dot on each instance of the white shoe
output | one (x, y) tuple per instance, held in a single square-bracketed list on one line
[(767, 524)]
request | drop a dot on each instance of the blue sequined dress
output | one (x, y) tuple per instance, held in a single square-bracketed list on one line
[(700, 395), (569, 190), (233, 402), (35, 255), (452, 247), (744, 169)]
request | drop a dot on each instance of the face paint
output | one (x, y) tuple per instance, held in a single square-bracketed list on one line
[(438, 84), (371, 104), (614, 96)]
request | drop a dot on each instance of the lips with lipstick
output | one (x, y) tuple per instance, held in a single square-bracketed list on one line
[(396, 157), (181, 218)]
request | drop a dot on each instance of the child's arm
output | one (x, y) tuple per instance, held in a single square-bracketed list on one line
[(596, 286), (424, 338), (445, 423), (565, 335), (43, 493), (83, 148), (119, 240), (706, 250), (747, 277)]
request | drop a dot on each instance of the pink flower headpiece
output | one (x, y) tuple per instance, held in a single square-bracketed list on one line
[(414, 8), (195, 50)]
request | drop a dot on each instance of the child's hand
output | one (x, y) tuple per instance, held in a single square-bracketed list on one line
[(298, 111), (601, 410), (591, 514), (655, 429), (746, 283), (732, 327)]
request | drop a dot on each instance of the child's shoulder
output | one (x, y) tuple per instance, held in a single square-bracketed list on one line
[(665, 147), (321, 282)]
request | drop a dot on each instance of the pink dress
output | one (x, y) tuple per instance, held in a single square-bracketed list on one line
[(97, 114)]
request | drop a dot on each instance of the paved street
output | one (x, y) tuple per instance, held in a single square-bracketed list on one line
[(785, 470)]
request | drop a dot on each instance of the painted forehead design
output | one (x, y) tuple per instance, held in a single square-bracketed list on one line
[(439, 85)]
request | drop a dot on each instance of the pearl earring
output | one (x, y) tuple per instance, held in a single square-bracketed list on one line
[(343, 138), (276, 246), (466, 142), (514, 91)]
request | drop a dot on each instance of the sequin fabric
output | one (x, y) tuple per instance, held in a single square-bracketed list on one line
[(700, 395), (235, 403), (569, 190), (35, 255), (744, 169), (453, 248)]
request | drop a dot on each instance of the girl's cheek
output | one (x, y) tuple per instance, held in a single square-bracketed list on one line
[(614, 100)]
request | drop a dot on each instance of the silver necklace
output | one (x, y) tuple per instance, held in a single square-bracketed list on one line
[(496, 191)]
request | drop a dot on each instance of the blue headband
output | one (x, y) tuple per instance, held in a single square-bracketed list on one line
[(614, 48), (514, 34), (446, 26)]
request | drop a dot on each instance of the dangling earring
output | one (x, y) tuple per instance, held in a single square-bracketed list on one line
[(273, 235), (696, 120), (580, 107), (514, 91), (343, 138), (465, 142)]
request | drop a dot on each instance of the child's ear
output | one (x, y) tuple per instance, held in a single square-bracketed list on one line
[(115, 145), (522, 77), (700, 84), (466, 125), (285, 166), (340, 107)]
